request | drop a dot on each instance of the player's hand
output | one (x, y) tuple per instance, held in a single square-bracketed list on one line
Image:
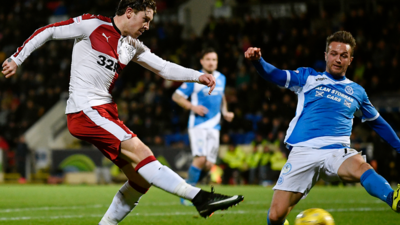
[(228, 116), (208, 80), (9, 68), (253, 53), (199, 109)]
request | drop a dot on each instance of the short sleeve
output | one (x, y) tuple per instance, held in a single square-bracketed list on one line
[(368, 111), (186, 89)]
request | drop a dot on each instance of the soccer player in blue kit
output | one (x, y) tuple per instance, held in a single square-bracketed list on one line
[(319, 134), (205, 116)]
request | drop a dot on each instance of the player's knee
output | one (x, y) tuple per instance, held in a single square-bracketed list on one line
[(276, 217), (358, 171), (200, 161), (364, 167), (135, 145)]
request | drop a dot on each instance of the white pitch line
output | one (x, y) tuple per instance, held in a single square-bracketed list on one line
[(48, 217), (182, 214), (48, 208)]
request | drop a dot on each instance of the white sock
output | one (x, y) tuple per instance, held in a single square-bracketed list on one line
[(163, 177), (123, 203)]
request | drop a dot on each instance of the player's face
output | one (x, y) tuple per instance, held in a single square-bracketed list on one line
[(209, 62), (338, 58), (139, 22)]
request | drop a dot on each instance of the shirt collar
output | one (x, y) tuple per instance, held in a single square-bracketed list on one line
[(115, 27), (337, 78)]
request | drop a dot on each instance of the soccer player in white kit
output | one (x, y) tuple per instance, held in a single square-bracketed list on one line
[(103, 47), (205, 116), (319, 134)]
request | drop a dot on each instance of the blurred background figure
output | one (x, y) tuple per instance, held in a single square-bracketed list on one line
[(234, 161), (206, 111), (253, 161), (21, 156)]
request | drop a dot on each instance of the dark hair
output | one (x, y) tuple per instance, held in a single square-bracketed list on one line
[(342, 37), (137, 5), (206, 51)]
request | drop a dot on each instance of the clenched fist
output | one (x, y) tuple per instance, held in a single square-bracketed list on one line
[(9, 68), (253, 53)]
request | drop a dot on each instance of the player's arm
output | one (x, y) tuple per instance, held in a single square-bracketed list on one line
[(381, 127), (68, 29), (228, 116), (369, 114), (186, 104), (266, 70), (168, 70)]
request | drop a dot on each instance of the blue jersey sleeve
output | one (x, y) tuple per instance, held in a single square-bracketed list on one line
[(386, 132), (270, 72), (186, 89), (292, 79), (297, 78), (368, 111)]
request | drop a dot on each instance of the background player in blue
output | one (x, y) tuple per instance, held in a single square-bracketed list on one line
[(204, 119), (319, 134)]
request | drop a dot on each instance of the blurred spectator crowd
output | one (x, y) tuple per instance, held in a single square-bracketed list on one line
[(260, 162), (262, 111)]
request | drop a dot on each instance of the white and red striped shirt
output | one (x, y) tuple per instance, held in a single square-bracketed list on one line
[(99, 53)]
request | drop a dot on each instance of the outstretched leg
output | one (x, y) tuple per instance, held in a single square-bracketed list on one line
[(137, 153), (355, 169), (282, 203)]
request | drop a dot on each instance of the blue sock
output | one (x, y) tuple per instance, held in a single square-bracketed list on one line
[(269, 222), (193, 175), (377, 186)]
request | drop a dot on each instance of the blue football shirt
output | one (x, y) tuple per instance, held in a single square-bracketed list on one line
[(325, 109), (198, 94)]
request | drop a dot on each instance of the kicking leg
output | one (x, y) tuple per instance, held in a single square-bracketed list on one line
[(126, 198), (282, 203), (355, 169), (137, 153)]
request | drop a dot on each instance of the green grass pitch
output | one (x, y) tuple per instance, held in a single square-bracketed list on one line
[(42, 204)]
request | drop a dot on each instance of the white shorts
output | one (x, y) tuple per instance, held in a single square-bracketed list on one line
[(204, 142), (306, 165)]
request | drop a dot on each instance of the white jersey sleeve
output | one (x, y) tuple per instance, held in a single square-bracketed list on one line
[(161, 67), (69, 29)]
